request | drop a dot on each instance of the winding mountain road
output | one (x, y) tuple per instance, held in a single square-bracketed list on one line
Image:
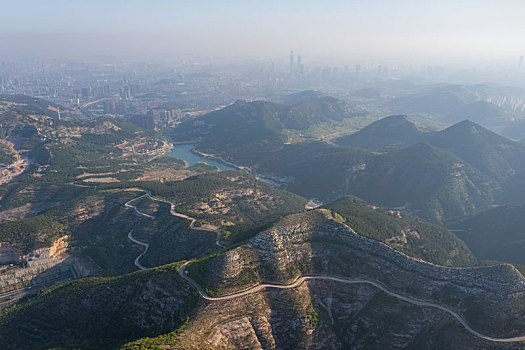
[(302, 279), (172, 212), (299, 281), (138, 211), (145, 245)]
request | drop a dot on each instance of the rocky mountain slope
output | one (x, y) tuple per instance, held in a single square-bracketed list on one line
[(317, 314), (312, 243)]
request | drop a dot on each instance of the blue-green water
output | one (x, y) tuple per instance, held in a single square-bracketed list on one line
[(184, 152)]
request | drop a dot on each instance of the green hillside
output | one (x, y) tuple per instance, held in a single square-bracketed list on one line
[(391, 133), (496, 234), (448, 175), (254, 123), (513, 189), (428, 181), (431, 182), (95, 313), (403, 231), (490, 153)]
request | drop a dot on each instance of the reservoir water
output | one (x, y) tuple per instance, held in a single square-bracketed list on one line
[(184, 152)]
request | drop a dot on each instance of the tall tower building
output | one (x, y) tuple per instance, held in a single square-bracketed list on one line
[(292, 63), (299, 64), (521, 61)]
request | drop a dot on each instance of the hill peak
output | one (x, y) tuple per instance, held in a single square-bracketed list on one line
[(301, 97), (393, 120), (487, 151), (390, 133), (467, 128), (467, 125)]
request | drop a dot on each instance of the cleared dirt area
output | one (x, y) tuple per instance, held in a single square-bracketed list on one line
[(101, 180)]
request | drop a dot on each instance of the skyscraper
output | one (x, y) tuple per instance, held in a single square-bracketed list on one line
[(292, 63), (299, 65)]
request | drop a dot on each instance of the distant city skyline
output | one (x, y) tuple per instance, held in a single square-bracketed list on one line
[(484, 30)]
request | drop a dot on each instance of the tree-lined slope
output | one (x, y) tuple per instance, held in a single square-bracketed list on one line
[(402, 231), (390, 133)]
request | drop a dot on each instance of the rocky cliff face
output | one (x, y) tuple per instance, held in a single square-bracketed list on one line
[(40, 266), (312, 243), (324, 315)]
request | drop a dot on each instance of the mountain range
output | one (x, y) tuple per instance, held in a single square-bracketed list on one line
[(442, 176), (349, 252)]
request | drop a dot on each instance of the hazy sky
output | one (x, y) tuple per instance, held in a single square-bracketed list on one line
[(349, 28)]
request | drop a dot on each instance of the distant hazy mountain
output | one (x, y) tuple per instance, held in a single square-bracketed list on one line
[(246, 126), (489, 152), (390, 133), (369, 93), (448, 104), (299, 97), (316, 102)]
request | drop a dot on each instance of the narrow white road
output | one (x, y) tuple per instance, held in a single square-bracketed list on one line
[(138, 211), (172, 212), (300, 280), (145, 245), (218, 241)]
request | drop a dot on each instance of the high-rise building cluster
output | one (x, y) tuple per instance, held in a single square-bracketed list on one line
[(296, 67)]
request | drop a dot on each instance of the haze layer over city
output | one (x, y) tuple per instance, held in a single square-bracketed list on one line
[(262, 175)]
